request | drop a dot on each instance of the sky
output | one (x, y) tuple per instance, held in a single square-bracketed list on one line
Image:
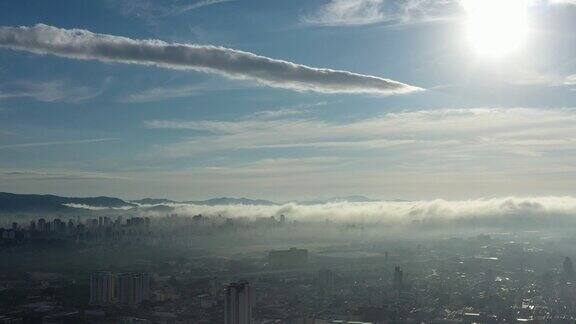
[(193, 99)]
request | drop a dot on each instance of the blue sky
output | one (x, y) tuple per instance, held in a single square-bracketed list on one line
[(417, 114)]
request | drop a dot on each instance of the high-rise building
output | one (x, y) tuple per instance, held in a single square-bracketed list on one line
[(145, 292), (101, 288), (238, 303), (92, 224), (124, 286), (398, 277), (70, 226), (58, 225), (568, 269), (133, 288), (42, 225), (326, 278)]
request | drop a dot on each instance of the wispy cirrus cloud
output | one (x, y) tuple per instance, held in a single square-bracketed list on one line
[(54, 175), (349, 13), (369, 12), (85, 45), (568, 2), (49, 91), (153, 10), (167, 91), (281, 112), (52, 143), (202, 3), (393, 12), (277, 167), (438, 133), (570, 81), (163, 93)]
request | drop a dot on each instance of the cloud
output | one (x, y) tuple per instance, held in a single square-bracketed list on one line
[(85, 45), (51, 91), (518, 211), (512, 131), (153, 10), (568, 2), (349, 12), (279, 167), (369, 12), (407, 154), (88, 207), (282, 112), (163, 93), (391, 12), (200, 4), (570, 80), (39, 144), (54, 175)]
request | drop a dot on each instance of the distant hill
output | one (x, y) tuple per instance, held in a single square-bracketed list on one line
[(153, 201), (209, 202), (247, 201), (28, 203), (10, 202), (232, 201), (353, 199)]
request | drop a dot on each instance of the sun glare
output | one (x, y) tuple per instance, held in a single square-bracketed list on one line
[(496, 27)]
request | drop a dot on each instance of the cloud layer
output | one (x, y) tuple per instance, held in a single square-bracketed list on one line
[(369, 12), (85, 45), (50, 91), (154, 10), (52, 143), (484, 212), (394, 12), (513, 131), (458, 153)]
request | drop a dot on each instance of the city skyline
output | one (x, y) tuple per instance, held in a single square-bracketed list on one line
[(413, 100), (287, 162)]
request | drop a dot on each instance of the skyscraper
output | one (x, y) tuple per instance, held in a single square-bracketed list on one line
[(398, 277), (568, 269), (42, 225), (101, 288), (326, 278), (238, 303), (133, 288)]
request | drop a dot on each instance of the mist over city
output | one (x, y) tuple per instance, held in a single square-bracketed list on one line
[(287, 162)]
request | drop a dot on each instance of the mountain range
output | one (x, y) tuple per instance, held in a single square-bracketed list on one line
[(11, 202), (209, 202)]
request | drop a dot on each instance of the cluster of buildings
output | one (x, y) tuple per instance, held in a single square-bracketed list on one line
[(194, 276), (125, 289), (92, 228), (238, 303)]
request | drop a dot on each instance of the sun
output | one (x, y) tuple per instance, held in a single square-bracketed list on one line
[(496, 27)]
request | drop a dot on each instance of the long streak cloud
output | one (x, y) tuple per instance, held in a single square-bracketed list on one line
[(85, 45), (489, 212)]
